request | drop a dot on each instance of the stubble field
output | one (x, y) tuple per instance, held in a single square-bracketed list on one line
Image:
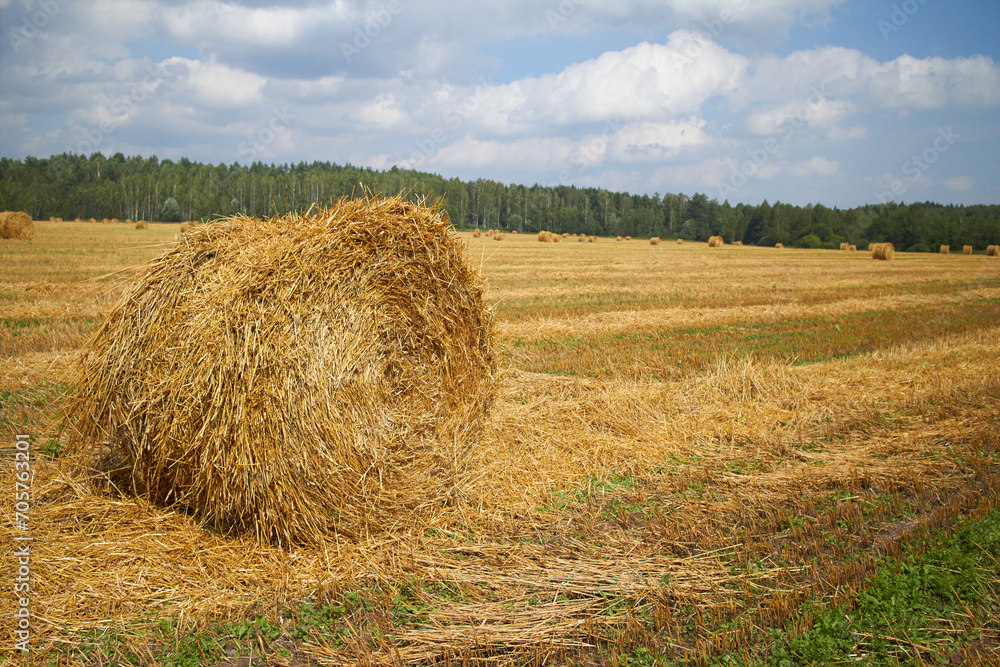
[(696, 456)]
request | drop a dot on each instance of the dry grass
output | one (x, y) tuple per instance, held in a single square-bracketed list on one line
[(884, 251), (16, 226), (697, 509), (384, 395)]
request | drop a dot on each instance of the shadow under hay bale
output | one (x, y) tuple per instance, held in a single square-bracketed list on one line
[(16, 226), (289, 377)]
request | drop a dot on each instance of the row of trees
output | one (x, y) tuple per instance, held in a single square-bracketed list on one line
[(76, 186)]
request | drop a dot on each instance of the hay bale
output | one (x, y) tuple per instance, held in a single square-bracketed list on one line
[(654, 241), (141, 225), (565, 235), (945, 249), (618, 238), (993, 251), (716, 242), (78, 220), (16, 226), (91, 220), (852, 248), (129, 221), (543, 237), (967, 250), (476, 234), (114, 221), (106, 221), (628, 238), (52, 218), (555, 238), (189, 226), (738, 243), (591, 239), (680, 241), (513, 231), (871, 246), (884, 251), (498, 237), (298, 375), (779, 245), (845, 246), (582, 238)]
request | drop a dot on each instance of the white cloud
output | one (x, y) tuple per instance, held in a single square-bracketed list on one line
[(815, 166), (217, 86), (960, 183), (650, 141)]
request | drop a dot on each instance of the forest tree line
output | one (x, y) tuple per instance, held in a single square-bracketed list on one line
[(72, 186)]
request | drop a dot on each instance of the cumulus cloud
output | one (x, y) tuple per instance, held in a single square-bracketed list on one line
[(960, 183)]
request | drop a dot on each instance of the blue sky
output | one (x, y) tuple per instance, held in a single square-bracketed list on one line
[(841, 102)]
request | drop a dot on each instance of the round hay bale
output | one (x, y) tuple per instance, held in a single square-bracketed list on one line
[(779, 245), (967, 250), (680, 241), (106, 221), (189, 226), (114, 221), (738, 243), (945, 249), (498, 237), (716, 242), (476, 234), (654, 241), (556, 238), (884, 251), (845, 246), (565, 235), (993, 251), (852, 248), (618, 238), (582, 238), (78, 220), (514, 231), (871, 246), (52, 218), (628, 238), (16, 226), (543, 237), (591, 239), (129, 221), (289, 377), (142, 224), (91, 220)]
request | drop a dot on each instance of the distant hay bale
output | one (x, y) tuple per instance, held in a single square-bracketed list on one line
[(591, 239), (92, 220), (779, 245), (871, 246), (114, 221), (716, 242), (295, 376), (78, 220), (945, 249), (565, 235), (884, 251), (543, 237), (993, 251), (129, 221), (16, 226), (141, 225), (106, 221), (967, 250), (498, 237), (853, 248), (654, 241), (618, 238), (628, 238), (738, 243), (476, 234), (513, 231), (845, 246), (189, 226), (555, 238), (52, 218), (680, 241), (581, 238)]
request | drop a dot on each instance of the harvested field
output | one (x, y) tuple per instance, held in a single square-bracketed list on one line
[(689, 448)]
